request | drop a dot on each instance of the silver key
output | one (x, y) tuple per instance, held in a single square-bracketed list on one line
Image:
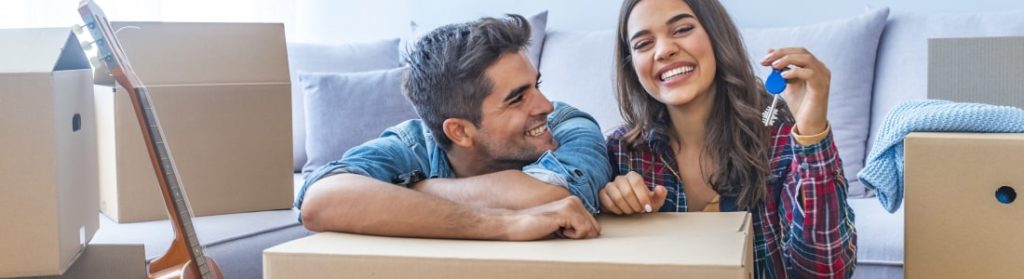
[(774, 84), (770, 114)]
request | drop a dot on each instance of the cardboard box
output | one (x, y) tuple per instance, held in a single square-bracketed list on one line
[(662, 245), (107, 261), (955, 225), (48, 181), (977, 70), (222, 95)]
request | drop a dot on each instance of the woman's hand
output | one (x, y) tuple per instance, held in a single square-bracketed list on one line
[(807, 87), (628, 194)]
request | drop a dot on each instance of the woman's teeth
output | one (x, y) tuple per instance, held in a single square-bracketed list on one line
[(676, 72)]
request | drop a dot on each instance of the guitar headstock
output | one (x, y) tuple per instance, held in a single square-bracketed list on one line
[(109, 52)]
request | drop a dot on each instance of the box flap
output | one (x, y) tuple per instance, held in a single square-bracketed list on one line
[(674, 239), (176, 53), (40, 50), (977, 70)]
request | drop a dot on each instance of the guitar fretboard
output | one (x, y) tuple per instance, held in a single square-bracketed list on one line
[(181, 208)]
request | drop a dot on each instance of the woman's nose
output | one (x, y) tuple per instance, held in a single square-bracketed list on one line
[(666, 49)]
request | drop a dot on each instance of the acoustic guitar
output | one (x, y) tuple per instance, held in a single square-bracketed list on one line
[(185, 258)]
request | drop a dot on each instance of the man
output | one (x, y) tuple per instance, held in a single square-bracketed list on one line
[(490, 158)]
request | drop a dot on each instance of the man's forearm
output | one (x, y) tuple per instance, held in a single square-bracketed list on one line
[(358, 204), (510, 189)]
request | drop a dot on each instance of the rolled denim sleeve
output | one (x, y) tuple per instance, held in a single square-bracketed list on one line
[(580, 158), (382, 158)]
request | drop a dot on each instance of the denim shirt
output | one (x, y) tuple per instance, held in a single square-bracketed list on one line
[(580, 163)]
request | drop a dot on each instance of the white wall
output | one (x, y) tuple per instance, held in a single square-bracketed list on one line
[(389, 18), (338, 21)]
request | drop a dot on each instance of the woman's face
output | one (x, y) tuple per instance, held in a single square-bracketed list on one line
[(670, 50)]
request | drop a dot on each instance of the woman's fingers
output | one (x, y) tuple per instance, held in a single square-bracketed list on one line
[(618, 198), (606, 203), (640, 190)]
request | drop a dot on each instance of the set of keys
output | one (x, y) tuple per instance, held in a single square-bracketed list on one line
[(774, 84)]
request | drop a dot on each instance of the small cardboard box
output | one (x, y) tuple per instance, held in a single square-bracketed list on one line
[(222, 95), (662, 245), (48, 180), (956, 227), (977, 70), (107, 261)]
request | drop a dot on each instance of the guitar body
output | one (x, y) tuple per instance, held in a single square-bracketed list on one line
[(185, 258), (186, 270), (175, 263)]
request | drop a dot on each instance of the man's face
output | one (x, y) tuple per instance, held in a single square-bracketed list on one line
[(513, 130)]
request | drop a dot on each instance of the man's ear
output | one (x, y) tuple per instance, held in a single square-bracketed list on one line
[(459, 131)]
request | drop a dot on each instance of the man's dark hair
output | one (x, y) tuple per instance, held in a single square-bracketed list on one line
[(446, 72)]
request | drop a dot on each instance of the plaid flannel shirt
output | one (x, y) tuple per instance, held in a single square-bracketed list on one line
[(803, 229)]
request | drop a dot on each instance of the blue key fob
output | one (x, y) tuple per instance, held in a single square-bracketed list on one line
[(775, 84)]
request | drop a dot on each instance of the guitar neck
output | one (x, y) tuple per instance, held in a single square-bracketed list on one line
[(167, 176)]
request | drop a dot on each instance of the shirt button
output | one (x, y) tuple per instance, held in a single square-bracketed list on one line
[(805, 166)]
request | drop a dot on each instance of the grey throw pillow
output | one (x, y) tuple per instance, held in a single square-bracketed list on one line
[(345, 110), (340, 58)]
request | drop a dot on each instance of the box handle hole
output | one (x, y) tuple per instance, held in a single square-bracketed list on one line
[(1006, 194), (76, 123)]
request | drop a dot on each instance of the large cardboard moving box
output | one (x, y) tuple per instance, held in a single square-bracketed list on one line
[(956, 225), (222, 95), (48, 173), (662, 245)]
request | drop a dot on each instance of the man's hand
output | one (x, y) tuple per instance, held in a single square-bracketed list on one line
[(628, 194), (565, 217)]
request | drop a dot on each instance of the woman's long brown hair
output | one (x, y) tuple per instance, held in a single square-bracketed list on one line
[(736, 137)]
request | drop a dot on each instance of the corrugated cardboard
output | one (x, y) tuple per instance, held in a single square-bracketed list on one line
[(662, 245), (955, 227), (221, 91), (48, 180), (977, 70)]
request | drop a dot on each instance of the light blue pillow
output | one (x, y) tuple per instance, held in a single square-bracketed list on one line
[(345, 110), (848, 47)]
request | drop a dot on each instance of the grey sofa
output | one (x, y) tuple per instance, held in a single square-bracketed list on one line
[(872, 71)]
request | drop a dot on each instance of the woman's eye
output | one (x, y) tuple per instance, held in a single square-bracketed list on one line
[(640, 45), (684, 29)]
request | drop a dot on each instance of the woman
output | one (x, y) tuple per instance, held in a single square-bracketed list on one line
[(694, 139)]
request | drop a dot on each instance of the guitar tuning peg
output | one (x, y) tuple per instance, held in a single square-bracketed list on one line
[(87, 45), (95, 61), (78, 29)]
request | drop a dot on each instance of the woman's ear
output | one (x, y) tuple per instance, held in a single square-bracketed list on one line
[(459, 131)]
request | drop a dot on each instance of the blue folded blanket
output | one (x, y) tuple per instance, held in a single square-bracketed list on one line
[(883, 171)]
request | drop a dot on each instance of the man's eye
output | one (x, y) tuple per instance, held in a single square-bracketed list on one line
[(516, 99)]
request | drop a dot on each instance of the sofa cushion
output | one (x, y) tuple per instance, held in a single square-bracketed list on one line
[(576, 68), (345, 110), (902, 68), (355, 57), (848, 48), (538, 27)]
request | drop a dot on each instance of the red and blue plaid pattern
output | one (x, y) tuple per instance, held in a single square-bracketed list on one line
[(803, 229)]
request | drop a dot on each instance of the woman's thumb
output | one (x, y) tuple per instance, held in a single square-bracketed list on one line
[(658, 196)]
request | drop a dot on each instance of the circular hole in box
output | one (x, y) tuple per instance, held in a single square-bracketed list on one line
[(1006, 194)]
